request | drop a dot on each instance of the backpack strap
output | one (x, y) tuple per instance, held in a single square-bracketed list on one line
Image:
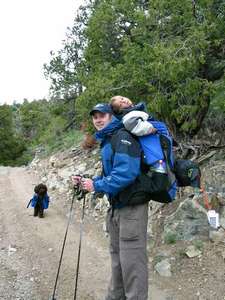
[(166, 148)]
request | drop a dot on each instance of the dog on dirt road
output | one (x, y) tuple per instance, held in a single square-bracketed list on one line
[(40, 200)]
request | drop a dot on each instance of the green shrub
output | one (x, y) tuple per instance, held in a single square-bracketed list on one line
[(61, 142), (170, 238)]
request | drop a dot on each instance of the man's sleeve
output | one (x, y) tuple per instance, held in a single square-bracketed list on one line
[(126, 165), (96, 178)]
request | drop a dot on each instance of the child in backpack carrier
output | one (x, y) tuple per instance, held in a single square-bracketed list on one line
[(40, 200), (156, 143), (137, 121)]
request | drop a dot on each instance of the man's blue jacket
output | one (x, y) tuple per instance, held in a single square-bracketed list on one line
[(121, 160)]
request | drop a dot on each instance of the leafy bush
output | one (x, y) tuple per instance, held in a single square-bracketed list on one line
[(170, 238)]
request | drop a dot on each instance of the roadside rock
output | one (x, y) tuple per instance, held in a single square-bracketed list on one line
[(188, 222), (164, 268)]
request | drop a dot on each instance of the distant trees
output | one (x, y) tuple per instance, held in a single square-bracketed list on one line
[(11, 144), (25, 126), (41, 120), (33, 117), (169, 54)]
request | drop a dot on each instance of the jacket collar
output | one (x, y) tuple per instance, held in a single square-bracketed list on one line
[(114, 125)]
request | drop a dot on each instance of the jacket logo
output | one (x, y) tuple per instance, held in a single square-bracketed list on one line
[(125, 142)]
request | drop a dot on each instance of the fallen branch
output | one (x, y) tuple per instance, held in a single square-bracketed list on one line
[(118, 88), (206, 156), (217, 146)]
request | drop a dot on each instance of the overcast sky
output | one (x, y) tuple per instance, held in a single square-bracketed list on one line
[(29, 30)]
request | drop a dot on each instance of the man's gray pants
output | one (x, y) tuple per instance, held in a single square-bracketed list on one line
[(127, 229)]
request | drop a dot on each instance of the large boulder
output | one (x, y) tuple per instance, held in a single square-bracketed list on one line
[(188, 222)]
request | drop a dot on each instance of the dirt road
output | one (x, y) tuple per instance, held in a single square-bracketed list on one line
[(30, 248)]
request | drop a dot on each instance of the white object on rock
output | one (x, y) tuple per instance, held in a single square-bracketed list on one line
[(213, 218)]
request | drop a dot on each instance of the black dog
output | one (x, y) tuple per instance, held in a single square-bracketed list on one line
[(40, 200)]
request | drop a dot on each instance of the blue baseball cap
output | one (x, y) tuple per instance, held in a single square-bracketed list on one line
[(101, 107)]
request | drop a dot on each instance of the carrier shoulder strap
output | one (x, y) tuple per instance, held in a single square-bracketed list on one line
[(165, 143)]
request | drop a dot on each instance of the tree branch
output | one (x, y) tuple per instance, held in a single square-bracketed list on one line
[(118, 88)]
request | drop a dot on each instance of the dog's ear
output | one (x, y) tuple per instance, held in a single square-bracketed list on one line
[(36, 189)]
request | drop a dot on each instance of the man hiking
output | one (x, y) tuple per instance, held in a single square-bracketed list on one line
[(127, 217)]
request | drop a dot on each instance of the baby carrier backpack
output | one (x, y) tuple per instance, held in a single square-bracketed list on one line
[(166, 172), (159, 159)]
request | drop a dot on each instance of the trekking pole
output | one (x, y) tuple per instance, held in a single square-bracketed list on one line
[(80, 241), (63, 245)]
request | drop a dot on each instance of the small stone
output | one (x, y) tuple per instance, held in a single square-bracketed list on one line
[(164, 268), (192, 251), (95, 215), (217, 236), (104, 227), (11, 250)]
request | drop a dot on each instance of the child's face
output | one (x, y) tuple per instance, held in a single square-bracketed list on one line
[(121, 102)]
